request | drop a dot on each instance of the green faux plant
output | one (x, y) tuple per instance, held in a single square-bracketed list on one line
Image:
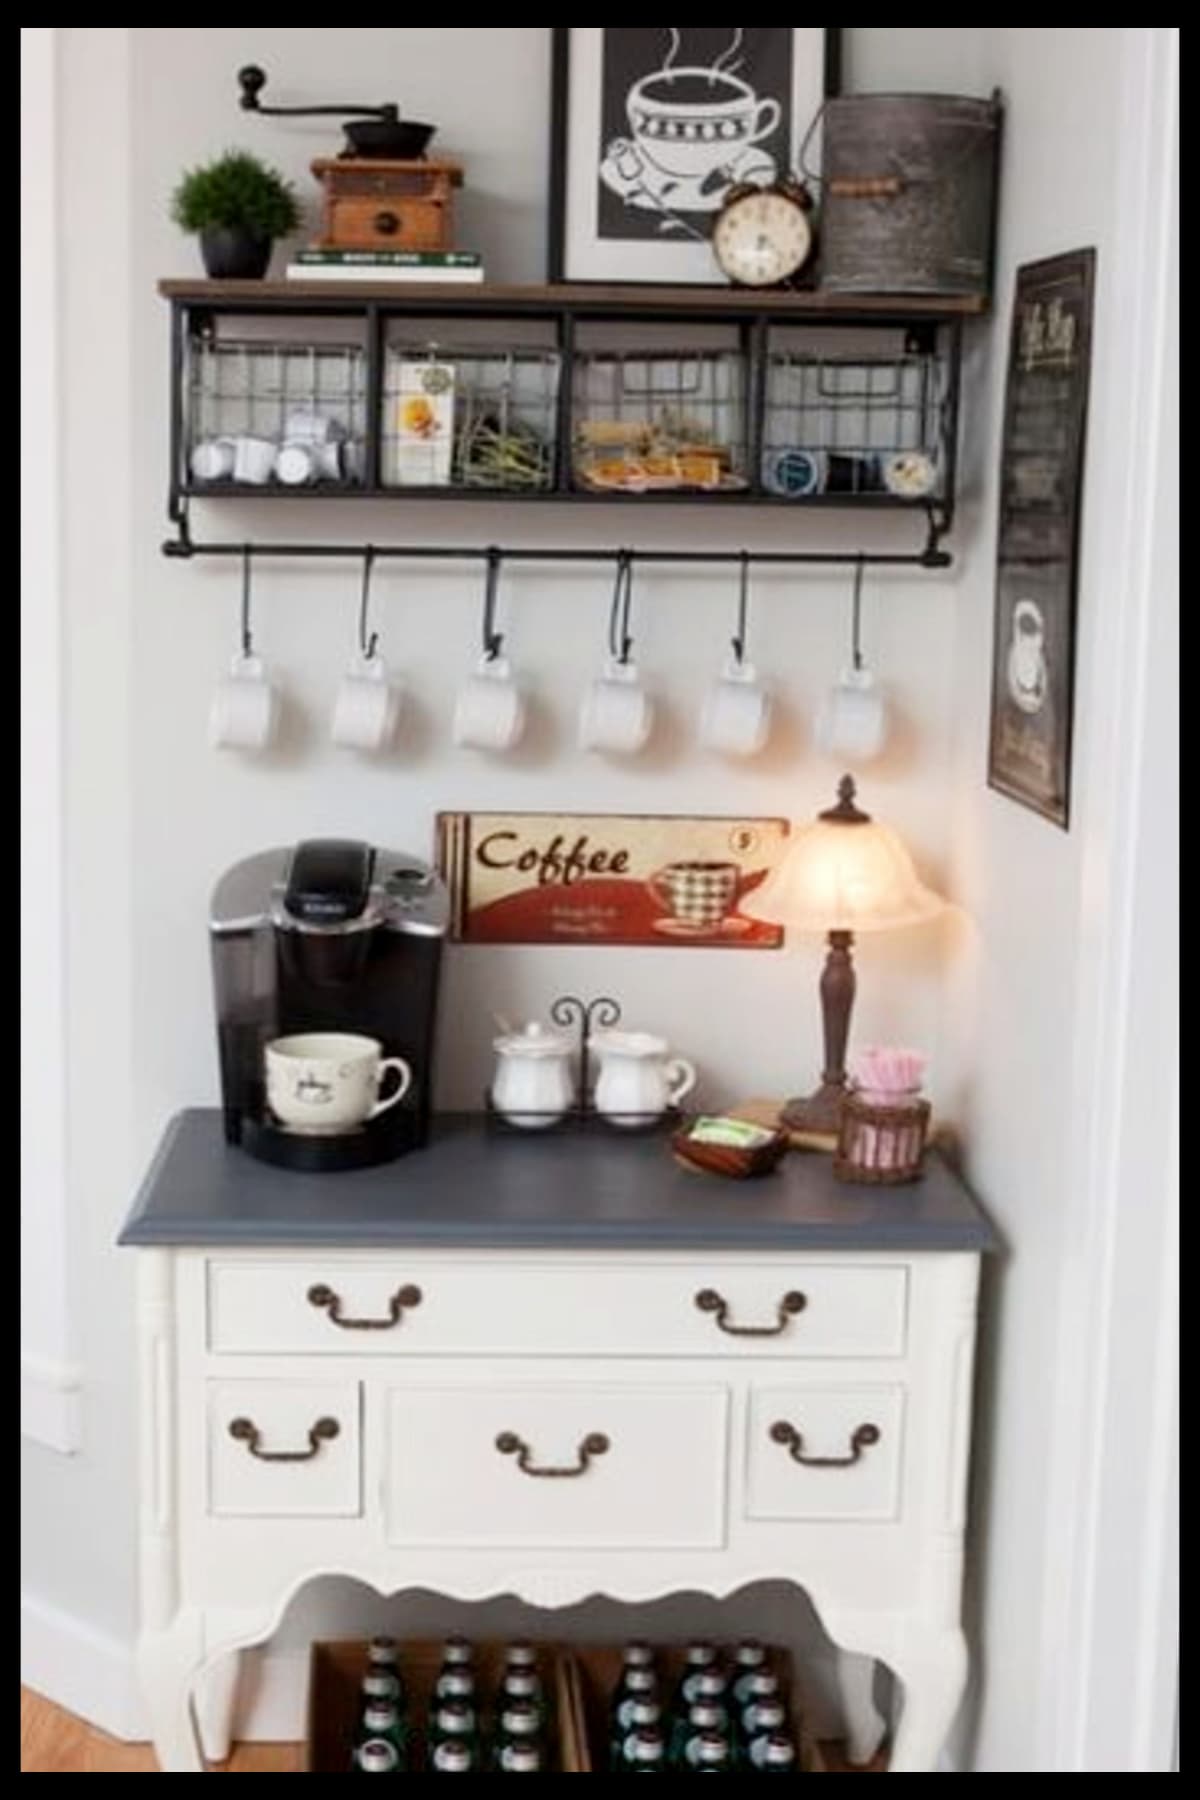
[(236, 192)]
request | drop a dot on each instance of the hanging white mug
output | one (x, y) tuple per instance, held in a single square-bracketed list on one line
[(617, 713), (245, 707), (737, 713), (853, 720), (367, 706), (491, 711)]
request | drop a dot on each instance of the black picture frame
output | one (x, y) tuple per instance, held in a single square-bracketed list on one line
[(563, 259), (1037, 538)]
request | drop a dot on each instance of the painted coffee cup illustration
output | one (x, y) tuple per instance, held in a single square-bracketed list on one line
[(692, 122), (697, 896)]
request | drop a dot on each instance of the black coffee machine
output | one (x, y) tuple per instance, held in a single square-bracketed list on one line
[(329, 936)]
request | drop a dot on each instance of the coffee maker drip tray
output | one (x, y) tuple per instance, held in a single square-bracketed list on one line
[(318, 1152)]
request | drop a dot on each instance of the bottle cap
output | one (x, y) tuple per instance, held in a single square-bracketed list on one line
[(382, 1650), (379, 1685), (519, 1719), (639, 1680), (456, 1684), (455, 1719), (457, 1650), (647, 1746), (749, 1654), (700, 1655), (707, 1715), (521, 1655), (380, 1716), (520, 1682), (376, 1757), (644, 1712), (521, 1759), (639, 1656), (453, 1759), (711, 1748), (779, 1749)]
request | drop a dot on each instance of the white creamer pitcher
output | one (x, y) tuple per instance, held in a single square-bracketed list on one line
[(533, 1085), (638, 1079)]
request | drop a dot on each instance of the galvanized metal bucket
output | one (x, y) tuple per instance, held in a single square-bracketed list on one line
[(909, 193)]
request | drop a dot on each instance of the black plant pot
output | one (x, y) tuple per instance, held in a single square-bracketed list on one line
[(231, 253)]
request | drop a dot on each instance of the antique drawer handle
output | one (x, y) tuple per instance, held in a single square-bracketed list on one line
[(403, 1297), (509, 1444), (709, 1301), (863, 1436), (387, 223), (247, 1432)]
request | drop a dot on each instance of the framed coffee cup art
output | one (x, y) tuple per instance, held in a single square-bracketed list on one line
[(652, 126)]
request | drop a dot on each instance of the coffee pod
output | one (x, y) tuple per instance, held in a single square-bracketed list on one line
[(910, 474), (254, 460), (851, 472), (617, 713), (213, 459), (737, 713), (794, 473), (853, 720), (295, 464), (328, 459)]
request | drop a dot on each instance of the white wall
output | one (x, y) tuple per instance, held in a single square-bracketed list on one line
[(153, 815)]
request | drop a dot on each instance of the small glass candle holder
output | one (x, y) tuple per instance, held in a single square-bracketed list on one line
[(881, 1136)]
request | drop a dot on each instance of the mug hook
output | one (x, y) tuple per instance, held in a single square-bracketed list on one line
[(247, 638), (856, 616), (367, 645), (492, 639), (739, 638), (620, 643)]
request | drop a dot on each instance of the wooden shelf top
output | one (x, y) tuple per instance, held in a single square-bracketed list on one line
[(579, 297)]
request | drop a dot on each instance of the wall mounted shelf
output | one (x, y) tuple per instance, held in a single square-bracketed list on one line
[(596, 395)]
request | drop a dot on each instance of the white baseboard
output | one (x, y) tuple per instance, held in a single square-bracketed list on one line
[(79, 1668), (50, 1402), (93, 1676)]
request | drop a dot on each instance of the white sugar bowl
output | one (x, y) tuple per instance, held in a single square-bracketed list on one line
[(533, 1086)]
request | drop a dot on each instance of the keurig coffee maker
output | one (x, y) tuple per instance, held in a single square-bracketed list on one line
[(331, 936)]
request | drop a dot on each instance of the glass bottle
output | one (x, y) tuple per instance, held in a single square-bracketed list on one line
[(635, 1715), (700, 1663), (381, 1723), (704, 1688), (518, 1723), (453, 1722), (380, 1685), (760, 1719), (748, 1659), (759, 1686), (706, 1718), (637, 1686)]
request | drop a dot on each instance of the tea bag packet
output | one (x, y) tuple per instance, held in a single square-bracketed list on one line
[(735, 1134)]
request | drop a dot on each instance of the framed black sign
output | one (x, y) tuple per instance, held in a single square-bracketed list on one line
[(1037, 545), (652, 125)]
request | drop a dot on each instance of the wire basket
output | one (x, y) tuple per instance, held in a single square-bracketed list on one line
[(883, 1144), (245, 398), (871, 425), (653, 421), (490, 415)]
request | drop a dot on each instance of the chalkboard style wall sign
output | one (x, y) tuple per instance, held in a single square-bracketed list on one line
[(1041, 471)]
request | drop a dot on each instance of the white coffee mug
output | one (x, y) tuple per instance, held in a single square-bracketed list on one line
[(490, 712), (322, 1083), (853, 719), (213, 459), (254, 460), (737, 713), (617, 712), (245, 707), (367, 706)]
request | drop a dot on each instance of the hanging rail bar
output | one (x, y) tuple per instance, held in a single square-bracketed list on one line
[(931, 557)]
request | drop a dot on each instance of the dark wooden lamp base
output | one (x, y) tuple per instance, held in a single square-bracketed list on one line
[(820, 1112)]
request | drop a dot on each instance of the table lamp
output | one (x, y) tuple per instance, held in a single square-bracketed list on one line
[(843, 873)]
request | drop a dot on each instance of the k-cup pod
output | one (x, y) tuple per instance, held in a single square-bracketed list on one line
[(254, 460), (737, 713), (490, 711), (328, 459), (295, 464), (213, 459), (851, 472), (367, 706), (794, 472), (617, 712), (245, 707), (910, 474), (853, 720)]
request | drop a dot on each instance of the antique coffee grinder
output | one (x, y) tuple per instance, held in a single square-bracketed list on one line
[(329, 936)]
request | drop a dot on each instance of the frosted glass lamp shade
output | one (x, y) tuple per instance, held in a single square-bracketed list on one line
[(845, 873)]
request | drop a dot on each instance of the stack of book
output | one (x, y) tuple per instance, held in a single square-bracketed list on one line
[(386, 265)]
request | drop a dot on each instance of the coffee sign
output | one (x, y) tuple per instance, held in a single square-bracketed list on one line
[(607, 878)]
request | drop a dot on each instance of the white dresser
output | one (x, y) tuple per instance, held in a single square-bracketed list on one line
[(552, 1368)]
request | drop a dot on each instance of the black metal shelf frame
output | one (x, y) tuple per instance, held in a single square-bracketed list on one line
[(193, 316)]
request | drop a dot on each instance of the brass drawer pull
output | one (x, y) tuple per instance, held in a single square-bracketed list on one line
[(247, 1432), (863, 1437), (403, 1297), (709, 1301), (509, 1444)]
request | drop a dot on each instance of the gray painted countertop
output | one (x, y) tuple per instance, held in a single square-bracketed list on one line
[(474, 1188)]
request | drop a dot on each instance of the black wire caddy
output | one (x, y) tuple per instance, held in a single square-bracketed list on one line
[(587, 1016)]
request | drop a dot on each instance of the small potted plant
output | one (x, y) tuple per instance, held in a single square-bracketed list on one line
[(237, 206)]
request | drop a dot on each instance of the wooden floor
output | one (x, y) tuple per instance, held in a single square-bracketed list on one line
[(56, 1742)]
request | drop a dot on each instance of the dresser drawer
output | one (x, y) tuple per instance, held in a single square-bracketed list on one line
[(559, 1467), (386, 1305), (284, 1449), (818, 1452), (385, 223)]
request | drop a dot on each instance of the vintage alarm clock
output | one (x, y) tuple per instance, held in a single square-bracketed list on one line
[(763, 236)]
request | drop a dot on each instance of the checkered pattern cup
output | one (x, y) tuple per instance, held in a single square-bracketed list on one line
[(696, 894)]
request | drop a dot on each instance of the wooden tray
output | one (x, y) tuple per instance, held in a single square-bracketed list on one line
[(335, 1673), (593, 1671)]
